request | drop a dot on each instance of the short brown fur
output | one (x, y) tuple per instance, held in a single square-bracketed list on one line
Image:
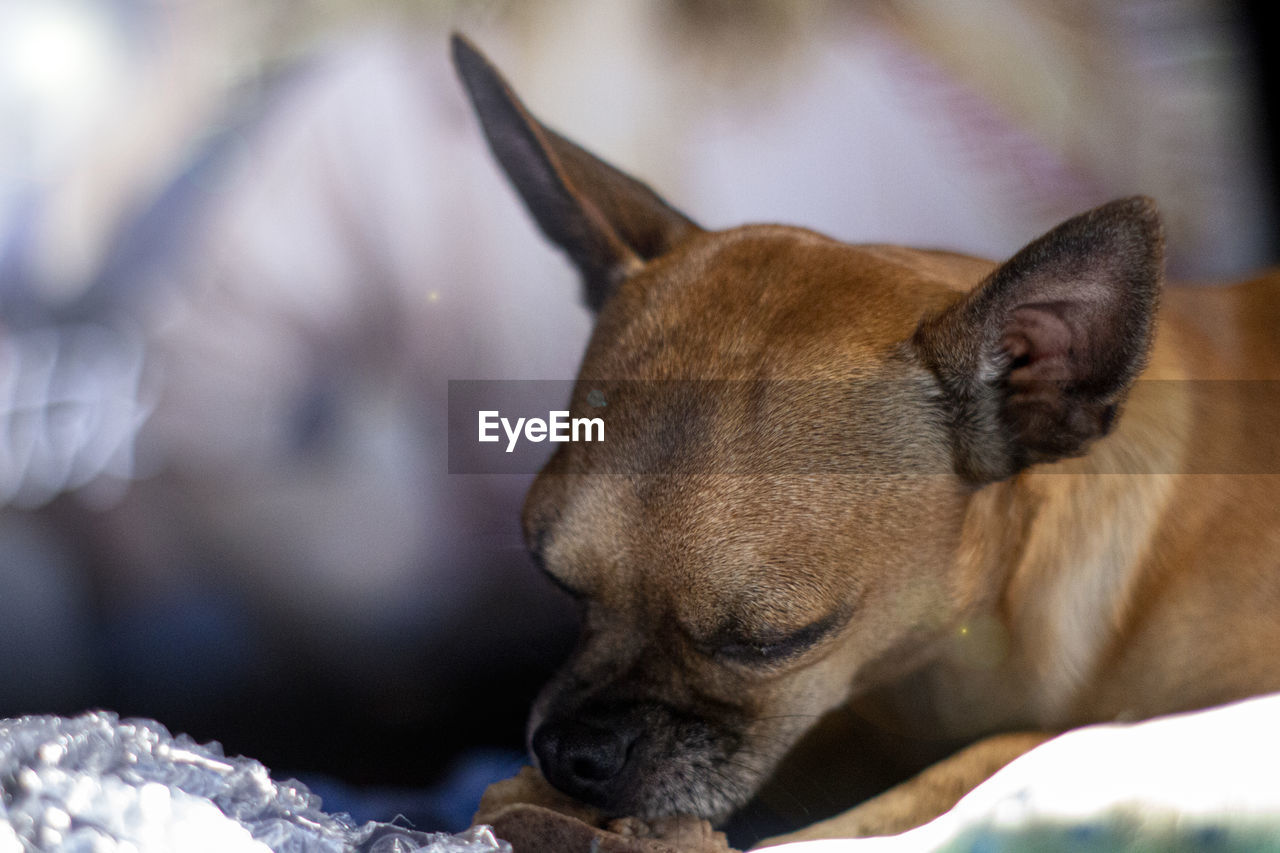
[(907, 479)]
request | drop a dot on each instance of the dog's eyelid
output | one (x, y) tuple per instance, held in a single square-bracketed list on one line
[(766, 648)]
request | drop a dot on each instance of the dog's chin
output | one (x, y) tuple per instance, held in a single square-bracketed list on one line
[(690, 785), (701, 782)]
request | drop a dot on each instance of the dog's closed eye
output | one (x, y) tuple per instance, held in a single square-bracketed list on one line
[(775, 647)]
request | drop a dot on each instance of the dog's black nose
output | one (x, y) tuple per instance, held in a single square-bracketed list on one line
[(582, 760)]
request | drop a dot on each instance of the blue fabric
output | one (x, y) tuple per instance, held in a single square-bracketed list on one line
[(444, 807)]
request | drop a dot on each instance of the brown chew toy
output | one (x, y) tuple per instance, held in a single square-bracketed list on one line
[(537, 818)]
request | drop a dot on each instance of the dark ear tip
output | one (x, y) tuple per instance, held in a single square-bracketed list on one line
[(1140, 213), (468, 61), (1141, 208), (460, 47)]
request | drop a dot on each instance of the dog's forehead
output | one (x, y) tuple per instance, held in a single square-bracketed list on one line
[(766, 337), (763, 301)]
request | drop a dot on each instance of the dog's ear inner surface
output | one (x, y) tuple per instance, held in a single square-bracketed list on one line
[(607, 222), (1036, 360)]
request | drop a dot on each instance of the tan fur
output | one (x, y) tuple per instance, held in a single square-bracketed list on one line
[(847, 453)]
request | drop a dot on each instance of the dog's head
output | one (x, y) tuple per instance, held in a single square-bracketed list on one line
[(795, 428)]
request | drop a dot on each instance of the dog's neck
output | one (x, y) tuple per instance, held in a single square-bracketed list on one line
[(1051, 588)]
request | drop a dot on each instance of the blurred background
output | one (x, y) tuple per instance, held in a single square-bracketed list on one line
[(245, 245)]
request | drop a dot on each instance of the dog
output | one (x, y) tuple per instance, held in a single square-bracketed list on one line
[(990, 502)]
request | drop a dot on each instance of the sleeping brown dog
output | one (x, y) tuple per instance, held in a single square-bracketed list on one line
[(896, 478)]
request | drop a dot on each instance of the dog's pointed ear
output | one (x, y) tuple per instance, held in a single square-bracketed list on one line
[(1035, 361), (607, 222)]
